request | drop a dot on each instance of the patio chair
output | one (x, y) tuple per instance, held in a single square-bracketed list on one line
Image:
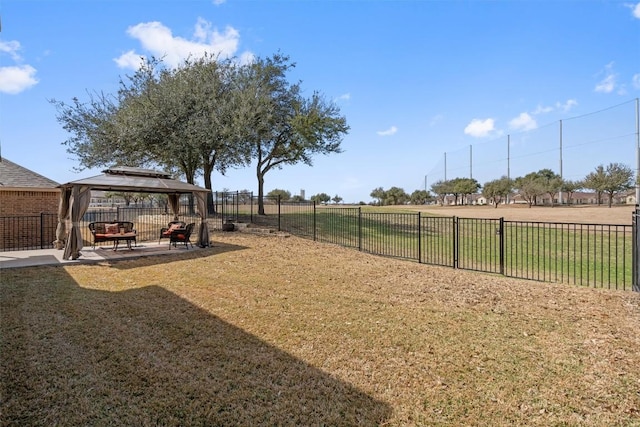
[(165, 232), (182, 236)]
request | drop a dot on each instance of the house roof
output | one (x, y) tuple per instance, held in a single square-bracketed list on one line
[(15, 176), (127, 179)]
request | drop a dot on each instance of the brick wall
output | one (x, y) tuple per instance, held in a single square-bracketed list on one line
[(19, 203), (22, 223)]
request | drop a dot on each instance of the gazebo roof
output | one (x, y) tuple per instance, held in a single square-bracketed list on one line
[(128, 179)]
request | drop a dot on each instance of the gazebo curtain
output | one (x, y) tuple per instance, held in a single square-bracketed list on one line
[(174, 202), (203, 232), (78, 205), (63, 212)]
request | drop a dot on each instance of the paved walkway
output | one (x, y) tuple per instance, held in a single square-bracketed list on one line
[(16, 259)]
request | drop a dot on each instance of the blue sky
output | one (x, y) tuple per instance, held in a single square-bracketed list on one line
[(486, 82)]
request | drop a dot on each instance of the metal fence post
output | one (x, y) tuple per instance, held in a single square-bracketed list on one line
[(279, 213), (359, 228), (419, 238), (456, 243), (635, 252), (501, 243), (41, 230)]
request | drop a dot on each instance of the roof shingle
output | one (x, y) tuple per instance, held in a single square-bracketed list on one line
[(16, 176)]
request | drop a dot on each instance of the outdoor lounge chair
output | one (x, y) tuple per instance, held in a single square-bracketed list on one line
[(182, 236), (165, 232)]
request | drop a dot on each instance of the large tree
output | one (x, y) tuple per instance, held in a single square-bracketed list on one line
[(378, 194), (530, 187), (320, 198), (282, 126), (441, 189), (497, 190), (463, 187), (596, 181), (420, 197), (551, 183), (619, 178), (570, 187)]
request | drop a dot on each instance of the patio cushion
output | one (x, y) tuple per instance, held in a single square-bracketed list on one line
[(112, 228)]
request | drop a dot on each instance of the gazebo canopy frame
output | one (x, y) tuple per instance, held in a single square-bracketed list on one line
[(76, 195)]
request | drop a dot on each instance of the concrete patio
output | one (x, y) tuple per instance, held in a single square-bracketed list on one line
[(29, 258)]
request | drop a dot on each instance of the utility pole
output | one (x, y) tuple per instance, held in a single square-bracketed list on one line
[(508, 163), (637, 151), (560, 191)]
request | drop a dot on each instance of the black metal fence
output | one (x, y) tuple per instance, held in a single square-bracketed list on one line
[(597, 255), (28, 232)]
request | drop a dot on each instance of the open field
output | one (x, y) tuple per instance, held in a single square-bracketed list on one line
[(621, 214), (266, 330)]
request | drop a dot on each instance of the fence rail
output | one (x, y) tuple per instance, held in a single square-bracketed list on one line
[(596, 255)]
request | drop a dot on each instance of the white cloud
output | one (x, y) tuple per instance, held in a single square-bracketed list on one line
[(523, 122), (159, 41), (130, 60), (480, 128), (11, 48), (16, 79), (218, 2), (344, 97), (562, 106), (635, 80), (391, 131), (608, 82), (542, 110), (635, 9), (568, 105)]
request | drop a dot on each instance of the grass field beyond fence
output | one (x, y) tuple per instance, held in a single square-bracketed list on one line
[(596, 255)]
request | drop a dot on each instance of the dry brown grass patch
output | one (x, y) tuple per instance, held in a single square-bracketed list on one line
[(268, 330)]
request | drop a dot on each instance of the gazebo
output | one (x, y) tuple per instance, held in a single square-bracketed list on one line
[(76, 195)]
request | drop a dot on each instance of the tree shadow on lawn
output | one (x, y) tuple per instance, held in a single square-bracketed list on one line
[(144, 356)]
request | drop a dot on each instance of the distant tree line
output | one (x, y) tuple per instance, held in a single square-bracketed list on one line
[(610, 180)]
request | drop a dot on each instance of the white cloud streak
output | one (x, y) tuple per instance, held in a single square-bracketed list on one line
[(635, 9), (479, 128), (523, 122), (391, 131), (635, 81), (158, 40), (608, 82), (568, 105)]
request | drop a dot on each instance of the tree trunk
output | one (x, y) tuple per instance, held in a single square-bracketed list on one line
[(260, 193), (208, 171)]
